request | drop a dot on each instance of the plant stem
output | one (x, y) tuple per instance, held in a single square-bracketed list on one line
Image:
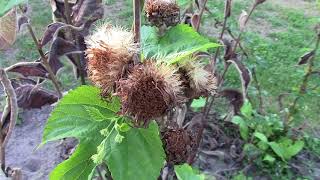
[(201, 13), (44, 61), (78, 58), (137, 28), (304, 84), (12, 102)]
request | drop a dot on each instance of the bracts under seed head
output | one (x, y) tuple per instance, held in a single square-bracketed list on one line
[(110, 52), (162, 12), (149, 92)]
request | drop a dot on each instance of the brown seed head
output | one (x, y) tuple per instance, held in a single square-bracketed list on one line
[(149, 92), (110, 51), (200, 81), (162, 12), (178, 145)]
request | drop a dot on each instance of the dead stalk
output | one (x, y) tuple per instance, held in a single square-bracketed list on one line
[(137, 25), (304, 84), (45, 62), (12, 103), (78, 58)]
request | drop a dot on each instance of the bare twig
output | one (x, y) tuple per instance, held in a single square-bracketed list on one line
[(257, 84), (12, 101)]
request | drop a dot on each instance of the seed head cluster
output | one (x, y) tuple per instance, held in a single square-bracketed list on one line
[(147, 90)]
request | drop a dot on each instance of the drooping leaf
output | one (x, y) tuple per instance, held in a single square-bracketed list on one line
[(59, 47), (21, 21), (294, 149), (195, 20), (79, 165), (49, 32), (179, 42), (235, 98), (30, 70), (278, 150), (245, 74), (261, 137), (87, 12), (186, 172), (243, 20), (306, 57), (71, 118), (139, 155), (7, 5), (30, 96)]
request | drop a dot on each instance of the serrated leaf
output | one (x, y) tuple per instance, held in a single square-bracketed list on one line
[(71, 119), (179, 42), (6, 5), (186, 172), (94, 113), (139, 156), (79, 165)]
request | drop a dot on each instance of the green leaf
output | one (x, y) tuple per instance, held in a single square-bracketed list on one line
[(186, 172), (197, 104), (79, 165), (278, 150), (139, 156), (78, 115), (261, 136), (71, 119), (246, 109), (294, 149), (178, 43), (124, 127), (269, 158), (244, 130), (94, 113), (7, 5)]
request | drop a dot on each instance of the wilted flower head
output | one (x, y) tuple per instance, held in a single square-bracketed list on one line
[(178, 145), (110, 51), (162, 12), (149, 91), (200, 80)]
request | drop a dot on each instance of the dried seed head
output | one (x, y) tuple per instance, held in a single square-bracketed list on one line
[(162, 12), (200, 80), (178, 145), (149, 91), (110, 51)]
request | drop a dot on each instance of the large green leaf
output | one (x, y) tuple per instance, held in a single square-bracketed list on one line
[(71, 118), (177, 44), (186, 172), (79, 165), (81, 114), (139, 156), (6, 5)]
